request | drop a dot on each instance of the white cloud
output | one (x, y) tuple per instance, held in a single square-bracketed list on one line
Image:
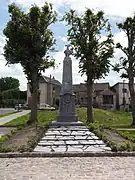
[(13, 70), (2, 42), (62, 38), (112, 77), (57, 73), (111, 7), (121, 38)]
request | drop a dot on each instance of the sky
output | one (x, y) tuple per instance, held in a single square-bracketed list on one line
[(115, 10)]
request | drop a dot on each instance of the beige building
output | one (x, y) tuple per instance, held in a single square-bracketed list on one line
[(103, 96), (122, 95), (49, 89)]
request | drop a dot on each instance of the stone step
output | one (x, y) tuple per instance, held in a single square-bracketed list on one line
[(69, 129), (70, 139), (72, 133), (73, 148), (71, 142)]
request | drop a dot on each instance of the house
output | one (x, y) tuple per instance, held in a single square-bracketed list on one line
[(49, 90), (103, 96), (122, 95)]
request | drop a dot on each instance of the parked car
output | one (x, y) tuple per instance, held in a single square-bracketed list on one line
[(25, 106), (18, 106), (43, 106)]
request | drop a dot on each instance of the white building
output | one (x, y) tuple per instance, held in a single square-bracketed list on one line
[(122, 95)]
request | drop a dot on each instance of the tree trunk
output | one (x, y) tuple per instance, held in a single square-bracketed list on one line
[(34, 102), (132, 94), (89, 100)]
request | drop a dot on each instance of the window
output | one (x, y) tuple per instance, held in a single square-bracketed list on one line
[(107, 99)]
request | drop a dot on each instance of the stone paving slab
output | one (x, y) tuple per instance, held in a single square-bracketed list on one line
[(70, 139)]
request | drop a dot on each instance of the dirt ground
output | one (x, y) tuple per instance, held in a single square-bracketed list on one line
[(112, 135), (21, 138)]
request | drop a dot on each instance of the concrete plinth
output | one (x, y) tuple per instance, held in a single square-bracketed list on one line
[(59, 124)]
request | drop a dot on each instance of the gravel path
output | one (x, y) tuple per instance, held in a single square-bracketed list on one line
[(85, 168)]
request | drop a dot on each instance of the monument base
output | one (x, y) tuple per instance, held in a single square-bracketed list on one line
[(67, 118), (58, 124)]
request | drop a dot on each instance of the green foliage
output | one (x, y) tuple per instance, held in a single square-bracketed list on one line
[(90, 47), (43, 117), (9, 83), (3, 115), (46, 117), (18, 121), (10, 93), (28, 42), (127, 62), (29, 38), (107, 118)]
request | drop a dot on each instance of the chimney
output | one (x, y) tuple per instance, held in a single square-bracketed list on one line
[(53, 77), (50, 76)]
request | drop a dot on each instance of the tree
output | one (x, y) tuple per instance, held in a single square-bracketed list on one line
[(28, 42), (92, 50), (127, 62), (7, 83)]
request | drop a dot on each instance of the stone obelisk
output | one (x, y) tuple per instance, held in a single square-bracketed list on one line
[(67, 97), (67, 114)]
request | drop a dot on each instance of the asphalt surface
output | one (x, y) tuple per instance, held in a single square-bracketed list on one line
[(6, 110)]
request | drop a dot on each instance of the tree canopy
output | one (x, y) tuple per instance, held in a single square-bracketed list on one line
[(90, 46), (8, 83), (93, 49), (29, 40), (126, 64)]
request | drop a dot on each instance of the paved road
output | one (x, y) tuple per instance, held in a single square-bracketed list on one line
[(6, 110), (8, 118), (71, 168)]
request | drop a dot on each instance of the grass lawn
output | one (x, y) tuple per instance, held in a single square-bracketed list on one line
[(43, 118), (27, 137), (130, 134), (108, 118), (6, 114)]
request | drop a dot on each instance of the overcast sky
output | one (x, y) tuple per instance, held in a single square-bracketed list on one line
[(116, 11)]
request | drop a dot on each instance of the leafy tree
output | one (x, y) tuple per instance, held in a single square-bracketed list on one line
[(92, 50), (7, 83), (127, 62), (28, 41)]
